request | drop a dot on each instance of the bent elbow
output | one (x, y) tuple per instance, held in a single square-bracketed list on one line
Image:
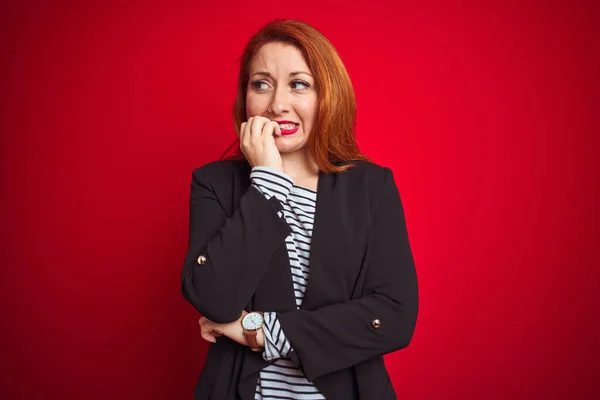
[(409, 324), (208, 303), (405, 339), (405, 321)]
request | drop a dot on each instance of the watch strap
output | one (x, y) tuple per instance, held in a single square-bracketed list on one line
[(252, 340)]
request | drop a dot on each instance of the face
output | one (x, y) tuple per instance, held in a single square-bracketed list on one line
[(281, 88)]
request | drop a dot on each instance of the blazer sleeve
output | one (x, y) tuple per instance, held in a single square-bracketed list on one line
[(237, 249), (341, 335)]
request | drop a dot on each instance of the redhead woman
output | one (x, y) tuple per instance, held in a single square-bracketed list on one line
[(299, 260)]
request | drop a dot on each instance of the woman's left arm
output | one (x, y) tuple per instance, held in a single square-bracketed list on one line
[(382, 320)]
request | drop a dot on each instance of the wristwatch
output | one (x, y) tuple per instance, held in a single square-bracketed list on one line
[(251, 323)]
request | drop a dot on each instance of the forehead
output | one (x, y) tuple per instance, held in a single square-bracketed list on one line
[(278, 58)]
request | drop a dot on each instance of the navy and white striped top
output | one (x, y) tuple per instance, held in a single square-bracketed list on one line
[(281, 379)]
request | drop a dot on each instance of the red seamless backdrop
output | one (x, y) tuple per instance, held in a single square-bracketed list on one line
[(487, 111)]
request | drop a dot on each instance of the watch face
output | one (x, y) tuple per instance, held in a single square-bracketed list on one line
[(252, 321)]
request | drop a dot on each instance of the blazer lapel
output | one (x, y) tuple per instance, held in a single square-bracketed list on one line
[(330, 243)]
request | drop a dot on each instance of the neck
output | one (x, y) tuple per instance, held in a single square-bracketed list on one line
[(299, 164)]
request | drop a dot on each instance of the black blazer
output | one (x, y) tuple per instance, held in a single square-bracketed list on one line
[(361, 270)]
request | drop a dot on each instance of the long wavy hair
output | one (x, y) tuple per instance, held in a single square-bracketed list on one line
[(332, 141)]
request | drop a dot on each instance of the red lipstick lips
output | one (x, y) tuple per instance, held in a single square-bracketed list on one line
[(285, 132)]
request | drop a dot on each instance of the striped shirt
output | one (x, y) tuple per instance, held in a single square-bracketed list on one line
[(281, 379)]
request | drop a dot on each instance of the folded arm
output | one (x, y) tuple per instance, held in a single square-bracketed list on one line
[(344, 334), (241, 246)]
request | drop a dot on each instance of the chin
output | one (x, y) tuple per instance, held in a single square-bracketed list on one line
[(288, 148), (288, 145), (285, 149)]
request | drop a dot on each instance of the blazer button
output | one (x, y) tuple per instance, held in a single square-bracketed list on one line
[(376, 323), (201, 260)]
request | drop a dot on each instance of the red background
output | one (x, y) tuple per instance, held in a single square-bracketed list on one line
[(486, 111)]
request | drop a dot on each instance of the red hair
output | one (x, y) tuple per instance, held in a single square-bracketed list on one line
[(333, 137)]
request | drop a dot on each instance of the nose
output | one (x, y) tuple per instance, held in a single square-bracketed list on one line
[(280, 103)]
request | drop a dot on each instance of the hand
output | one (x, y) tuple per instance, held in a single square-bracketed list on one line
[(257, 142), (210, 330)]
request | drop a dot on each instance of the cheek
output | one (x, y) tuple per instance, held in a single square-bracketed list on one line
[(254, 106), (308, 112)]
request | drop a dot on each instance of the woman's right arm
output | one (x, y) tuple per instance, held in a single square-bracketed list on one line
[(237, 249)]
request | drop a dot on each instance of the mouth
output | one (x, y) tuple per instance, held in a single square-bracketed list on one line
[(288, 127)]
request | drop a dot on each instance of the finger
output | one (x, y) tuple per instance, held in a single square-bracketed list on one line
[(210, 327), (241, 135), (256, 128), (277, 129), (208, 337), (248, 132), (270, 129), (241, 132)]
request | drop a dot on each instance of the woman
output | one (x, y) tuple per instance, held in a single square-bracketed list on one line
[(298, 259)]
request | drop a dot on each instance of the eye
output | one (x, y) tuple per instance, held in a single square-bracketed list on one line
[(258, 85), (303, 85)]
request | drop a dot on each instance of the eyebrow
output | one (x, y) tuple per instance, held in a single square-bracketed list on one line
[(291, 73)]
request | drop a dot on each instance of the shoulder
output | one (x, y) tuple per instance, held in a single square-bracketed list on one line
[(367, 172), (371, 180)]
